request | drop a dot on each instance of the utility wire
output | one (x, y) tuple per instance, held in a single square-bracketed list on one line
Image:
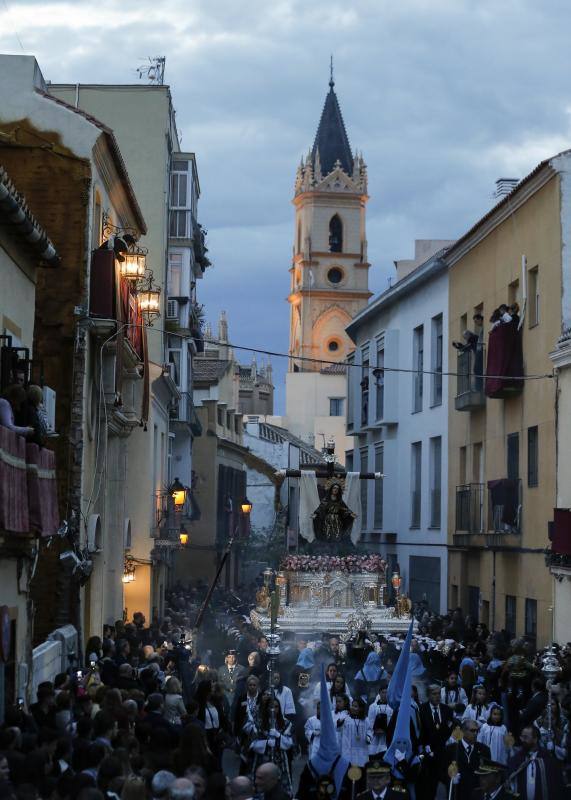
[(370, 367)]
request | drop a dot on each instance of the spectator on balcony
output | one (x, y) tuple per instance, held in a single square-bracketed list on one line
[(514, 313), (11, 403), (501, 316), (35, 415), (470, 342)]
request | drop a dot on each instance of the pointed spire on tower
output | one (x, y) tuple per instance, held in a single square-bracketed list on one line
[(331, 139), (223, 328)]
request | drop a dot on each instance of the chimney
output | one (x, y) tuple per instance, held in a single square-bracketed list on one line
[(504, 186)]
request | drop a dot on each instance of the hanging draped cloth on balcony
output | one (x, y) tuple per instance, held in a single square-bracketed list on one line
[(42, 490), (14, 514), (505, 360), (352, 497)]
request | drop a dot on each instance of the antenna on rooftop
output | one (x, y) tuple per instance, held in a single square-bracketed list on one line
[(154, 71)]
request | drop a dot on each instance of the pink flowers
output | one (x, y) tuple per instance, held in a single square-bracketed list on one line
[(348, 564)]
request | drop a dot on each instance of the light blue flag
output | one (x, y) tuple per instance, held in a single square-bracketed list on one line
[(401, 740), (396, 684)]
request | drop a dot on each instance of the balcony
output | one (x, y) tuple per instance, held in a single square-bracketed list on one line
[(504, 504), (558, 558), (505, 363), (470, 508), (470, 382), (28, 495), (183, 412)]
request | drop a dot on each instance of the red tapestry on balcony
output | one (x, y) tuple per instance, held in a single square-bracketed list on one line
[(561, 541), (505, 360), (42, 490), (13, 489)]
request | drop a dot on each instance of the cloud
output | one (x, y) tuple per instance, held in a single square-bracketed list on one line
[(442, 96)]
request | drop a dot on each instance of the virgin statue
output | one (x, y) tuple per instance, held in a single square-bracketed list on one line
[(333, 519)]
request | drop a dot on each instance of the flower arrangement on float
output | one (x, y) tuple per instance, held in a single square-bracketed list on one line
[(347, 564)]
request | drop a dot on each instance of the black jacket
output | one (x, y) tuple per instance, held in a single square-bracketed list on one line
[(431, 735), (466, 768)]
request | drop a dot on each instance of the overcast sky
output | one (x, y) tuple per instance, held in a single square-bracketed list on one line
[(442, 96)]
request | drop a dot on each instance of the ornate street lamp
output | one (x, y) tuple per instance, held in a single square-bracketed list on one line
[(149, 298), (183, 536), (128, 571), (246, 506), (178, 494), (134, 265)]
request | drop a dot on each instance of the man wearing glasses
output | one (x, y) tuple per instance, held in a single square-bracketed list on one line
[(467, 754)]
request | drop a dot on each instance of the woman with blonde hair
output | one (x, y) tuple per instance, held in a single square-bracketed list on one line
[(174, 707)]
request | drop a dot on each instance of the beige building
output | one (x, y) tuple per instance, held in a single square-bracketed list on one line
[(166, 182), (502, 431), (329, 280), (219, 469)]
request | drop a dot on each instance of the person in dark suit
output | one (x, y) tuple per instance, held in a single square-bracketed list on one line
[(468, 755), (538, 774), (536, 704), (230, 673), (436, 726)]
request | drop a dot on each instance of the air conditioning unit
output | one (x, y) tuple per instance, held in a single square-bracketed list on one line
[(50, 407), (172, 309)]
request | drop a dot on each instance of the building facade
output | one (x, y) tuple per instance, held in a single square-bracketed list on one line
[(329, 278), (24, 250), (219, 470), (166, 182), (256, 394), (503, 430), (87, 320), (399, 422)]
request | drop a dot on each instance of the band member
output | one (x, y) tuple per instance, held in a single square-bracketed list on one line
[(534, 773)]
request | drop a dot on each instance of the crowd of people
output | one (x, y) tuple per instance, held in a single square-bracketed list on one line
[(155, 713)]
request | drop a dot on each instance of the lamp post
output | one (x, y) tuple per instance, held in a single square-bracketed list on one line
[(178, 492), (550, 669), (149, 298)]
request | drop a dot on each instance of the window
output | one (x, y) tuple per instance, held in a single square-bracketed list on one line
[(335, 234), (351, 378), (437, 342), (349, 459), (379, 374), (530, 618), (299, 236), (510, 623), (513, 456), (365, 385), (418, 365), (336, 406), (378, 515), (180, 201), (463, 325), (97, 221), (220, 416), (474, 602), (435, 480), (335, 275), (174, 356), (333, 345), (416, 483), (533, 297), (174, 275), (462, 465), (513, 293), (364, 467), (533, 456)]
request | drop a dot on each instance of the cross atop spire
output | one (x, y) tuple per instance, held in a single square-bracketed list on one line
[(331, 140)]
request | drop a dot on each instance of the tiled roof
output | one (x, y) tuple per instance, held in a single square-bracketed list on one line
[(15, 214), (331, 139), (309, 454), (334, 369), (208, 370), (114, 147)]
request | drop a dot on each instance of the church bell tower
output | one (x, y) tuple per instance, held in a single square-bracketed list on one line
[(329, 280), (329, 272)]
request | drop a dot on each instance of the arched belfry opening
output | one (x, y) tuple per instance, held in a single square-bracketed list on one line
[(335, 234)]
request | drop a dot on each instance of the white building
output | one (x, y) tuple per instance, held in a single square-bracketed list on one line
[(399, 420)]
